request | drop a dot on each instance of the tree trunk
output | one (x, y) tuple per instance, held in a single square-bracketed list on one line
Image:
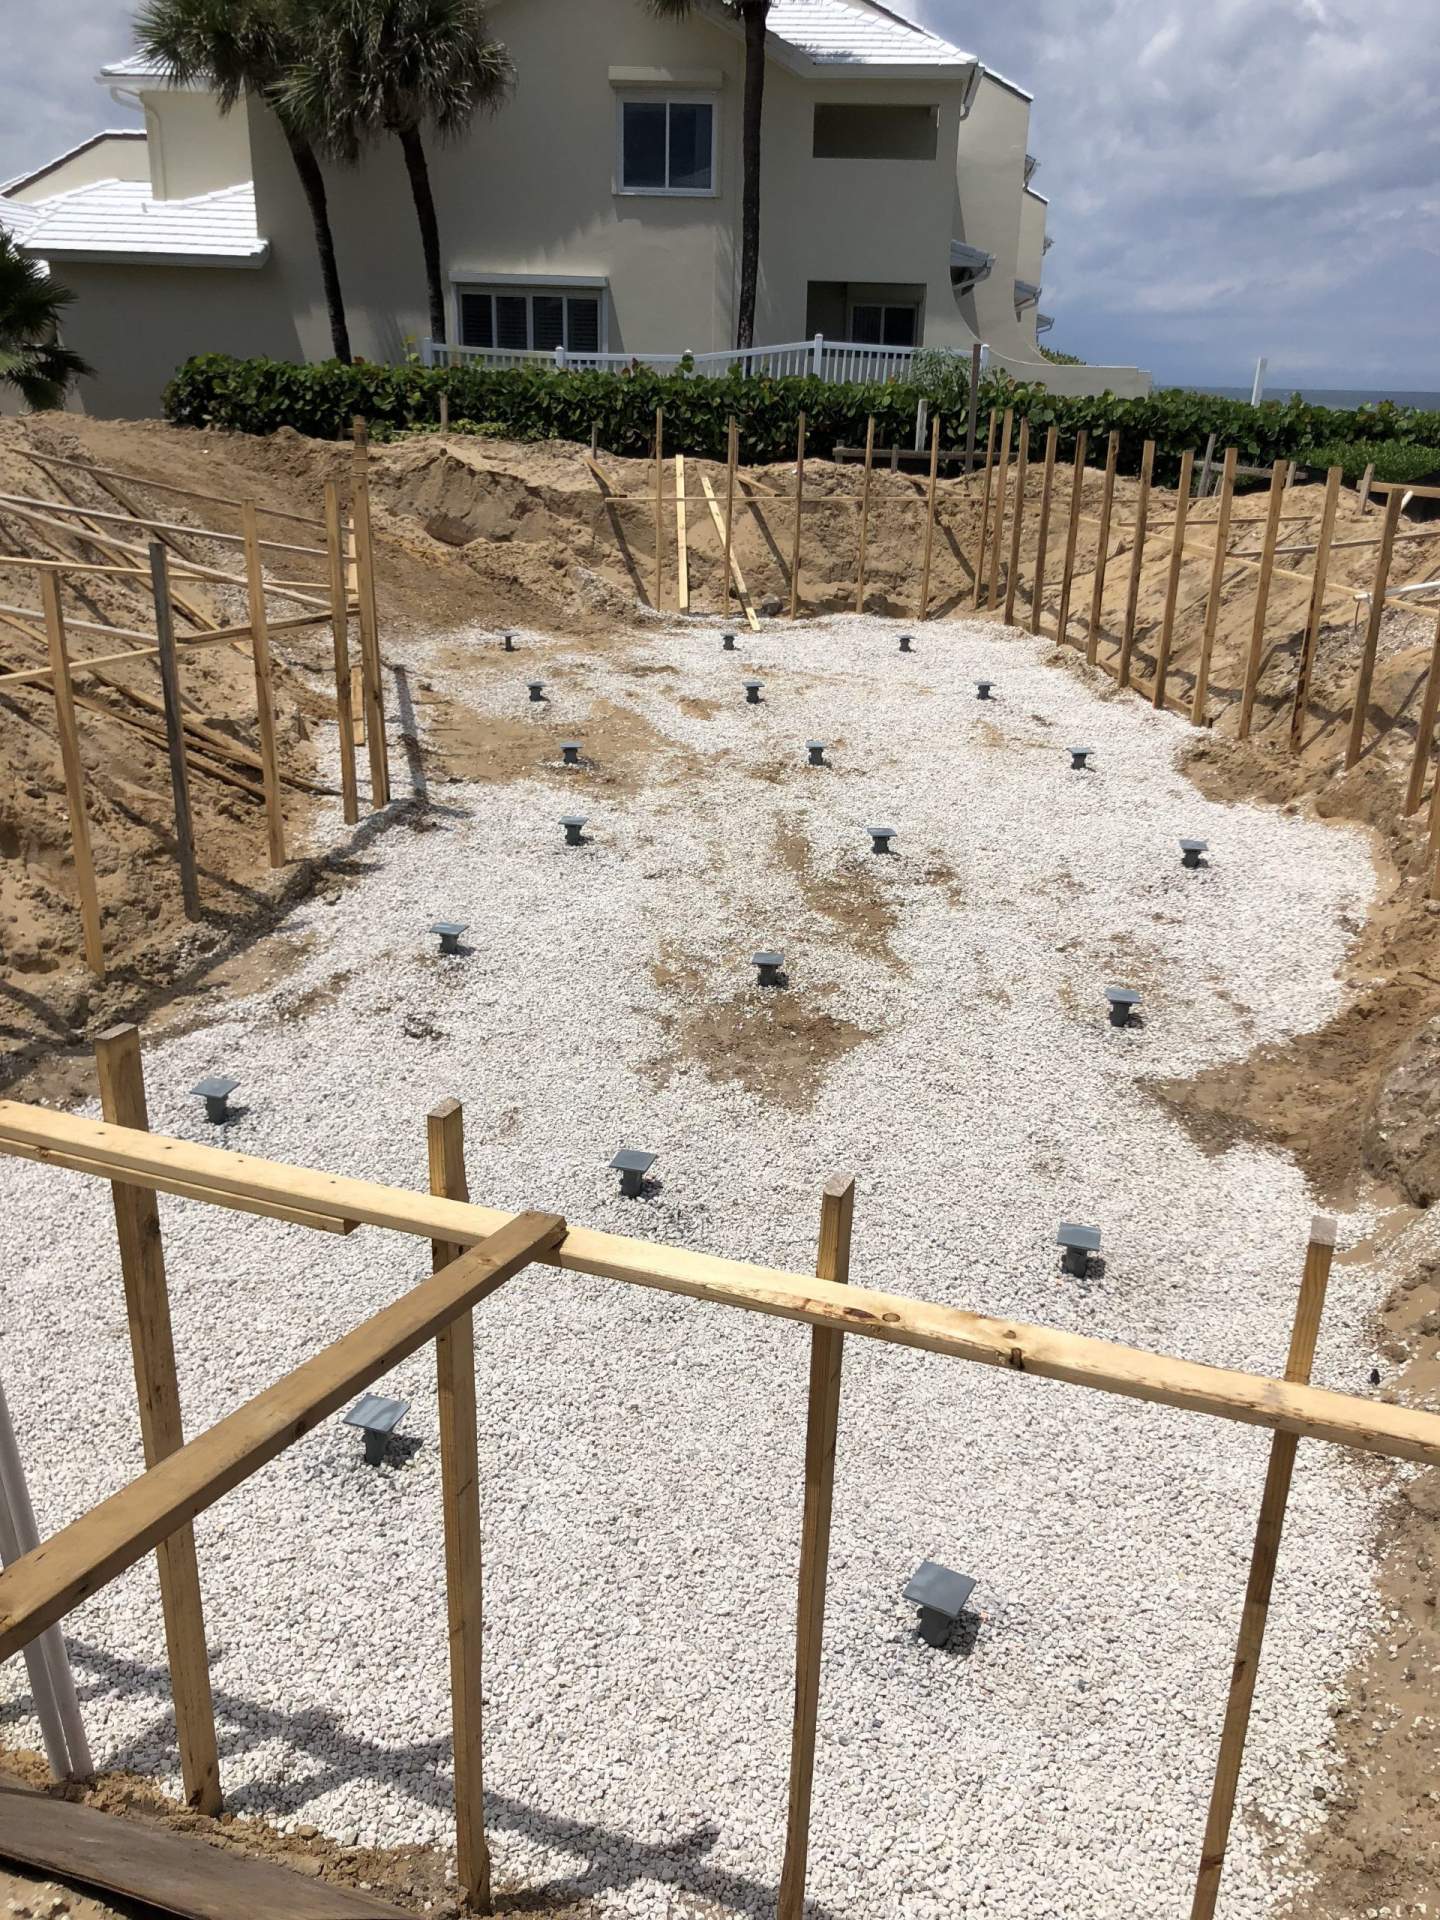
[(312, 180), (419, 173), (754, 13)]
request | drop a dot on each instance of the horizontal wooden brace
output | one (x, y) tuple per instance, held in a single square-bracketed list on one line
[(1405, 1433)]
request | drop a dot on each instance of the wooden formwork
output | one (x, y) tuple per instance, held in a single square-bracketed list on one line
[(475, 1249)]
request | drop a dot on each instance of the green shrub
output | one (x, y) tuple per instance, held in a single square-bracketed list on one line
[(1393, 459), (260, 396)]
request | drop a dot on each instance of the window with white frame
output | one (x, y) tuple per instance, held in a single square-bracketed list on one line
[(875, 323), (667, 145), (529, 319)]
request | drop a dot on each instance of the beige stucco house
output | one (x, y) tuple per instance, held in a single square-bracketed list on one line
[(598, 212)]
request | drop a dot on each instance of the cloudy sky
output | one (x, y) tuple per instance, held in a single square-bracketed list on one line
[(1227, 177)]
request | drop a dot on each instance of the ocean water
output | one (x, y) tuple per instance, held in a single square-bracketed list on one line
[(1331, 396)]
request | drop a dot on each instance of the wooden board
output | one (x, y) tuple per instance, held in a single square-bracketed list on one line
[(742, 592), (682, 538), (1405, 1433), (42, 1587), (175, 1872)]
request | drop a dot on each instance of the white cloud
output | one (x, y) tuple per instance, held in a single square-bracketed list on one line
[(1242, 172)]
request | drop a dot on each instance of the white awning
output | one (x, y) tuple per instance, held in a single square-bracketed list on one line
[(968, 265)]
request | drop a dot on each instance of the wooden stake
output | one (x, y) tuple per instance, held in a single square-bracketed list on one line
[(1209, 461), (444, 413), (372, 675), (1303, 1337), (984, 511), (1042, 538), (174, 730), (1172, 584), (357, 703), (1366, 481), (340, 635), (460, 1495), (972, 411), (1012, 571), (1102, 557), (682, 549), (865, 512), (152, 1348), (1217, 582), (1317, 606), (826, 1356), (930, 518), (1072, 532), (1002, 484), (74, 773), (1137, 562), (732, 456), (799, 520), (659, 507), (1262, 596), (264, 691), (1425, 731), (1372, 627), (1433, 851), (746, 605)]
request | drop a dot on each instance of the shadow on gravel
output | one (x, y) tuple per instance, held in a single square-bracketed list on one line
[(615, 1860)]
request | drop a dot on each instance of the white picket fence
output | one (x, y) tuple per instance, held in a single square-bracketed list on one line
[(821, 359)]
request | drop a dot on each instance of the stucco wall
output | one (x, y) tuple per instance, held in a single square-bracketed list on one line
[(112, 158), (136, 325), (1031, 259), (193, 148), (990, 170)]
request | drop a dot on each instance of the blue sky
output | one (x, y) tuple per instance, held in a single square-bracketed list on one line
[(1226, 177)]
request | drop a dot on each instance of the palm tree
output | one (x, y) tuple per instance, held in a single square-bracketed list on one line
[(752, 15), (32, 359), (375, 67), (248, 46)]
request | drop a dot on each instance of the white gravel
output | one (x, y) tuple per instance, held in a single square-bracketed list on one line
[(642, 1454)]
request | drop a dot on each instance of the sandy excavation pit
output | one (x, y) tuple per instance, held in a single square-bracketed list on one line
[(944, 1036)]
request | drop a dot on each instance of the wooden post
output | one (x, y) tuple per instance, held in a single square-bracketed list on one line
[(1262, 597), (74, 770), (1172, 583), (930, 519), (357, 703), (972, 411), (1366, 480), (1372, 628), (1077, 500), (1042, 537), (799, 519), (1001, 487), (1137, 562), (152, 1348), (340, 635), (984, 511), (659, 506), (1102, 558), (371, 671), (1304, 1334), (1209, 461), (1426, 730), (174, 730), (444, 412), (264, 691), (1433, 851), (865, 512), (826, 1356), (682, 547), (460, 1496), (1317, 606), (1217, 583), (732, 456), (1017, 526)]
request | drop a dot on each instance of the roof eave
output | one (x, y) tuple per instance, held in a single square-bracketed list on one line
[(133, 257)]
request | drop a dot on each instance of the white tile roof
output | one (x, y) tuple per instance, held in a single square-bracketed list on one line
[(120, 220), (860, 33), (17, 217)]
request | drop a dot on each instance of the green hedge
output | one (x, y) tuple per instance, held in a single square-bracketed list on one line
[(260, 396), (1392, 459)]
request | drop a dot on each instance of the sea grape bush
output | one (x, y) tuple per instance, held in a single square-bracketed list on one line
[(261, 396)]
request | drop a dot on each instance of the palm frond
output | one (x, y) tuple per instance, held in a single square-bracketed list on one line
[(32, 359)]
